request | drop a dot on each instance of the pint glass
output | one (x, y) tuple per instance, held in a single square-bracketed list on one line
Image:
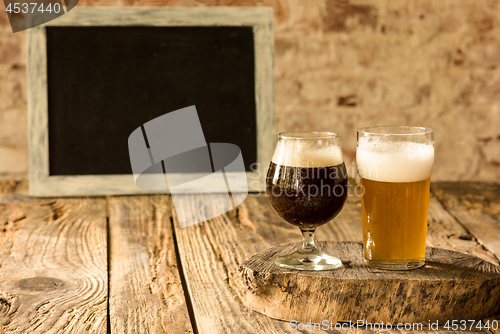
[(395, 165)]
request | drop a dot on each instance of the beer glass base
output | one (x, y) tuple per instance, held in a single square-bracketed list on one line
[(308, 261), (395, 265)]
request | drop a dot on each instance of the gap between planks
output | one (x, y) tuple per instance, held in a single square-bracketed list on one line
[(185, 287), (212, 251), (145, 289)]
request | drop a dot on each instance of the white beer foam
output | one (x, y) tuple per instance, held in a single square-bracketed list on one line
[(394, 161), (298, 153)]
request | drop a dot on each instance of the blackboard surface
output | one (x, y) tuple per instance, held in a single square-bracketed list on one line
[(104, 82)]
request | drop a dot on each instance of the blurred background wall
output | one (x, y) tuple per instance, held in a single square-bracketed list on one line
[(344, 64)]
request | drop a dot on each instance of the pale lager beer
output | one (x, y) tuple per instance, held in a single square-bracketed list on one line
[(395, 165)]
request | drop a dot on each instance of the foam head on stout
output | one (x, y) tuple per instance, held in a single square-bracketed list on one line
[(295, 153), (306, 184)]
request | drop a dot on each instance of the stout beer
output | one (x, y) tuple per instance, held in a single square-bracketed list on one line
[(307, 196), (307, 186)]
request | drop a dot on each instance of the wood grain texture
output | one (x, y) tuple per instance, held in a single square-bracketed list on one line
[(53, 269), (444, 231), (260, 18), (476, 206), (476, 210), (264, 98), (211, 253), (494, 322), (450, 286), (145, 289)]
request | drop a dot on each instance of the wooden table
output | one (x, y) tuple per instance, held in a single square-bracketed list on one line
[(123, 265)]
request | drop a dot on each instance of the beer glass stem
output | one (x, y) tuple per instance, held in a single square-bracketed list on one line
[(308, 257), (308, 245)]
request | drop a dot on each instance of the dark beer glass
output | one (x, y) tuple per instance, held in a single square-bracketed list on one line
[(307, 186)]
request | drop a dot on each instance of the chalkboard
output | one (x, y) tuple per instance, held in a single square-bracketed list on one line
[(95, 75), (113, 79)]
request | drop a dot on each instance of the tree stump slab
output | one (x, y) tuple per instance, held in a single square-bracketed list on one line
[(451, 286)]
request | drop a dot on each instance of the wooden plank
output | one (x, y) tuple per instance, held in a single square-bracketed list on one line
[(476, 206), (493, 322), (19, 187), (145, 289), (212, 252), (444, 231), (53, 270)]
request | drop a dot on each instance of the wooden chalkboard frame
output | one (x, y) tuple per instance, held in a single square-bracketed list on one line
[(41, 183)]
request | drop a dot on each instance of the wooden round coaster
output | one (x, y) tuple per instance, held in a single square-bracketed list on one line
[(451, 286)]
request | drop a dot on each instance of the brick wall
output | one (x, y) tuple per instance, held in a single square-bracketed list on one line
[(342, 64), (13, 128)]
